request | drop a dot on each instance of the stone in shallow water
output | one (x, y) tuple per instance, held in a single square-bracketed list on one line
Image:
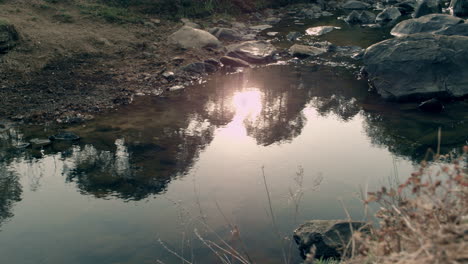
[(355, 5), (319, 31), (260, 27), (432, 106), (305, 51), (253, 51), (419, 66), (388, 15), (234, 62), (40, 142), (65, 136)]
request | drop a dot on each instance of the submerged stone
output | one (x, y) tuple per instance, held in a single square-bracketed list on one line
[(253, 51), (64, 136), (319, 31), (40, 142), (433, 106)]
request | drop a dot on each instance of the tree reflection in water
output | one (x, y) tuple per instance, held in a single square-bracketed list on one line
[(136, 151)]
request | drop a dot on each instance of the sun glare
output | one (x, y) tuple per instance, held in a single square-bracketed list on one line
[(247, 105)]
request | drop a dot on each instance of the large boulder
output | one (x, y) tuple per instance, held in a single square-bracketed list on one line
[(388, 15), (459, 7), (425, 24), (192, 38), (426, 7), (406, 7), (355, 5), (256, 52), (8, 36), (329, 237), (419, 66)]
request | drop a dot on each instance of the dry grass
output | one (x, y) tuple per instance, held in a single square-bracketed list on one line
[(424, 220)]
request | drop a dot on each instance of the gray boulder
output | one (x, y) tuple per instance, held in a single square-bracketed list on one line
[(8, 36), (328, 236), (192, 38), (426, 7), (459, 7), (256, 52), (226, 34), (389, 15), (305, 51), (355, 5), (419, 66), (425, 24)]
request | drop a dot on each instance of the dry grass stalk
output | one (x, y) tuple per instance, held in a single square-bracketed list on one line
[(424, 220)]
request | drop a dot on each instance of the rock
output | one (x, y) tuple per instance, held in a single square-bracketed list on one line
[(253, 51), (168, 75), (432, 106), (355, 5), (189, 23), (213, 62), (305, 51), (8, 36), (425, 24), (40, 143), (200, 67), (329, 237), (191, 38), (388, 15), (272, 34), (353, 18), (260, 27), (64, 136), (364, 17), (426, 7), (367, 17), (319, 31), (273, 20), (22, 145), (458, 29), (459, 7), (292, 36), (226, 34), (419, 66), (234, 62), (238, 25), (406, 7), (176, 88)]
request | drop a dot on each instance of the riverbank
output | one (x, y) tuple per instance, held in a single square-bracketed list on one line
[(75, 59)]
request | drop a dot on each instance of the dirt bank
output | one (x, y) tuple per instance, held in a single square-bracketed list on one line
[(72, 61)]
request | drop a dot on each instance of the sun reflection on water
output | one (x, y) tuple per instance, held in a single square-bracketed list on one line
[(248, 106)]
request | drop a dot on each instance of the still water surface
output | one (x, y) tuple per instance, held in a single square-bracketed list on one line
[(159, 168), (147, 171)]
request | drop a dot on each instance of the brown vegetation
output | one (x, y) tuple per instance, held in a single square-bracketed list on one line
[(424, 220)]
